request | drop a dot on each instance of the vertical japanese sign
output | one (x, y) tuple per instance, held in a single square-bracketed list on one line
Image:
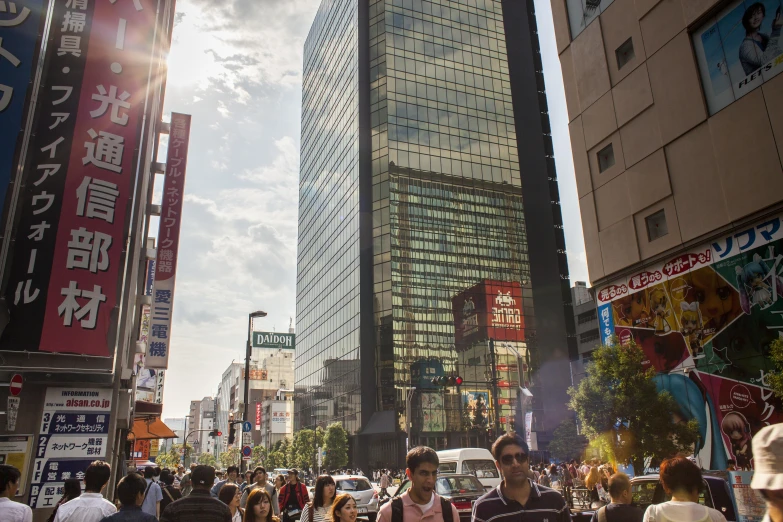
[(74, 432), (168, 243), (74, 213), (258, 416), (20, 24), (606, 323)]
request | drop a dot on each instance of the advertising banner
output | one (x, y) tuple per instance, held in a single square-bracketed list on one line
[(256, 374), (750, 504), (15, 451), (168, 242), (476, 405), (488, 310), (738, 50), (74, 432), (282, 418), (258, 416), (705, 319), (68, 253), (433, 412), (19, 30), (274, 340), (141, 450)]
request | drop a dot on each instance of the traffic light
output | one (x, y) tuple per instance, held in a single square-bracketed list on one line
[(231, 432), (215, 434), (453, 380)]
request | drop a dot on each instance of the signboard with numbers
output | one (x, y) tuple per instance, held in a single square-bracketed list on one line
[(73, 211), (74, 432), (168, 243)]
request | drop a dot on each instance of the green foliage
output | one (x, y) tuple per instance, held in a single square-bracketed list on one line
[(230, 457), (303, 449), (566, 443), (336, 446), (278, 457), (775, 378), (258, 457), (169, 459), (618, 391), (207, 459)]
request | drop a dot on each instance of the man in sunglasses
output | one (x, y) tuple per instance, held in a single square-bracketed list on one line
[(518, 497)]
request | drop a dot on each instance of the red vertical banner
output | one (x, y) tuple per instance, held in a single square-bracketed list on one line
[(168, 243), (92, 230)]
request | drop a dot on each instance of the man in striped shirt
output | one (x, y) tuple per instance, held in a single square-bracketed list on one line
[(517, 497)]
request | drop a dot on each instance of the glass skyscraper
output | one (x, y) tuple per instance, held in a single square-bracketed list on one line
[(427, 173)]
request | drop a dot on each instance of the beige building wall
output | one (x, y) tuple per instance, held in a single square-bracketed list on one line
[(708, 173)]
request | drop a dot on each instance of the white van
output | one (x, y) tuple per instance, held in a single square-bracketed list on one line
[(472, 461)]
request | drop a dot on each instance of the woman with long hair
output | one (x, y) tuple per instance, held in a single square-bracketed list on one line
[(318, 509), (592, 482), (344, 509), (758, 48), (279, 482), (71, 489), (259, 507), (229, 495)]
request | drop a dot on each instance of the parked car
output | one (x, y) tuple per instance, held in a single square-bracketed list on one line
[(362, 492), (474, 461), (461, 490), (647, 489)]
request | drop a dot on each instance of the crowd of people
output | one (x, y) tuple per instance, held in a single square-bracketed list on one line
[(529, 493)]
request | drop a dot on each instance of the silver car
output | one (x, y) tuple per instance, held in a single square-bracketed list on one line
[(362, 492)]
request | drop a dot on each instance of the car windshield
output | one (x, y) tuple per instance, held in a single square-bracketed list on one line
[(458, 485), (447, 467), (353, 485), (480, 468)]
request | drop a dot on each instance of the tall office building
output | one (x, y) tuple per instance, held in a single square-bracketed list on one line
[(429, 226), (675, 119)]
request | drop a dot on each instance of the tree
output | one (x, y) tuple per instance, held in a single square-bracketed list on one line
[(775, 378), (566, 443), (278, 457), (230, 457), (171, 458), (618, 400), (336, 446), (303, 449), (207, 459), (258, 458)]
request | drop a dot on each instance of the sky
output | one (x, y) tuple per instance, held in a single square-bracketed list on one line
[(238, 70)]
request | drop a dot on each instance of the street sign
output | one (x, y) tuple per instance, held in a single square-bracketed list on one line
[(247, 451), (15, 387), (12, 413), (246, 427)]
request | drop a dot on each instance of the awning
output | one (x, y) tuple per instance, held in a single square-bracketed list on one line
[(146, 429), (381, 423)]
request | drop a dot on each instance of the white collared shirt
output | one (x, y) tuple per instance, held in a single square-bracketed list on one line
[(11, 511), (89, 507)]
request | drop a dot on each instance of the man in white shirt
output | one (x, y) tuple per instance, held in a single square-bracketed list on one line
[(153, 494), (11, 511), (90, 506)]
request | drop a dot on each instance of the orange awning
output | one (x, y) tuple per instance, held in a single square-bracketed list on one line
[(150, 428)]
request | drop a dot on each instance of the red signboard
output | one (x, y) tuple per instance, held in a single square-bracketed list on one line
[(258, 415), (489, 310), (15, 386)]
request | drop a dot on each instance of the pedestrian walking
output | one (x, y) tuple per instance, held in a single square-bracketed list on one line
[(199, 506), (130, 492), (293, 497), (10, 510), (72, 488), (179, 476), (152, 495), (517, 497), (259, 507), (261, 482), (232, 476), (230, 495), (248, 480), (170, 493), (385, 482), (420, 500), (768, 474), (620, 508), (323, 498), (90, 506), (681, 479), (344, 509)]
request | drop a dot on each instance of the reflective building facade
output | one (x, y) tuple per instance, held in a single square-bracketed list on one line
[(426, 169)]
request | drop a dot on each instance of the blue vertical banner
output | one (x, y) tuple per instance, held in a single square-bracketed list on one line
[(20, 25), (606, 323)]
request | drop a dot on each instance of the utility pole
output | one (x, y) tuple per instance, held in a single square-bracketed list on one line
[(494, 370)]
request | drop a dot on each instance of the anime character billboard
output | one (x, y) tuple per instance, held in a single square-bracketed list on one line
[(705, 320)]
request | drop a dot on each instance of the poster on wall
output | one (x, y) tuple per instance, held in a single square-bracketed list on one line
[(738, 50), (750, 505), (476, 406), (15, 450), (74, 432), (705, 320), (433, 412)]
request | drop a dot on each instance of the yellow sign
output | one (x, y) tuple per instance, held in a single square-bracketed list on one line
[(14, 451), (154, 447)]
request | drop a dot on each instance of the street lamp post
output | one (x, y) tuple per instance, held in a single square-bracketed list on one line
[(248, 353)]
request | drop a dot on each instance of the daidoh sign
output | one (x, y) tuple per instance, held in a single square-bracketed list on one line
[(274, 340)]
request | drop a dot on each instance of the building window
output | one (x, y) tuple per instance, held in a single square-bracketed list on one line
[(589, 337), (587, 317), (656, 225), (736, 51), (624, 53), (605, 158), (582, 12)]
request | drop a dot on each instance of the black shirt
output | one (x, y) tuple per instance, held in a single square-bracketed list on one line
[(621, 513), (199, 506), (544, 504)]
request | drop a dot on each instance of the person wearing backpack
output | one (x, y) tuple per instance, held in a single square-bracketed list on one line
[(152, 495), (681, 479), (420, 502), (620, 509)]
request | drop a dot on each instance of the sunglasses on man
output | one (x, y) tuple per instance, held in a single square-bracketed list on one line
[(508, 459)]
